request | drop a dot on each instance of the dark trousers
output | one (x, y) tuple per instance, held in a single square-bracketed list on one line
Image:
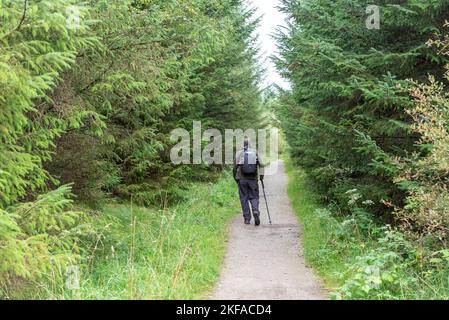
[(249, 194)]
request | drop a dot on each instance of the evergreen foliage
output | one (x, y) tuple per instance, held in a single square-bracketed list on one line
[(89, 93), (347, 117), (161, 66), (38, 229), (367, 119)]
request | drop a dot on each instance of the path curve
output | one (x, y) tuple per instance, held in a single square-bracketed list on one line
[(267, 262)]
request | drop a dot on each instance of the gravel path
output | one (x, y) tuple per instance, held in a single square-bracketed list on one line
[(267, 262)]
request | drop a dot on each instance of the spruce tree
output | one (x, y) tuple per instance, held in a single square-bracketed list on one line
[(350, 90)]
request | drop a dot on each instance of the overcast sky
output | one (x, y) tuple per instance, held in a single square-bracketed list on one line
[(272, 18)]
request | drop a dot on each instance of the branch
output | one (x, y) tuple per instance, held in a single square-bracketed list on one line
[(127, 46), (96, 80), (25, 8), (22, 20)]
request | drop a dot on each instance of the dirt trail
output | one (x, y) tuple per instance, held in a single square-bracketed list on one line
[(267, 262)]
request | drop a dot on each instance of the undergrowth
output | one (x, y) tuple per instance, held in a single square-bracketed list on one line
[(149, 253), (361, 259)]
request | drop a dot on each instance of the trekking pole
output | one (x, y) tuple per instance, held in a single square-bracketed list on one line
[(266, 202)]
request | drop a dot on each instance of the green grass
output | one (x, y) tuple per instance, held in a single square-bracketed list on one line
[(344, 257), (174, 253), (318, 246)]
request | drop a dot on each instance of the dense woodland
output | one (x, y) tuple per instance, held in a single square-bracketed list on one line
[(89, 94), (367, 119), (90, 91)]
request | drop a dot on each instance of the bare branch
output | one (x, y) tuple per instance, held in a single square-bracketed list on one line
[(22, 20), (25, 8)]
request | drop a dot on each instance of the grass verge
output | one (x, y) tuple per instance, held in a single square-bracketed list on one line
[(358, 259), (171, 253), (317, 244)]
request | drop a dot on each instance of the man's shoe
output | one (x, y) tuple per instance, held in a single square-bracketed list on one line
[(247, 221), (257, 220)]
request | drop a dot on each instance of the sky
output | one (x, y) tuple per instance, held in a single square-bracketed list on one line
[(271, 19)]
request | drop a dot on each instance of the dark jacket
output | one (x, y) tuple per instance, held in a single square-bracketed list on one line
[(238, 175)]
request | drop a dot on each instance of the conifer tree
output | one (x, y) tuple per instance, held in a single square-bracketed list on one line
[(350, 90), (162, 65), (38, 227)]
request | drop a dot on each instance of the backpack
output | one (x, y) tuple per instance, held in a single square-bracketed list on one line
[(249, 163)]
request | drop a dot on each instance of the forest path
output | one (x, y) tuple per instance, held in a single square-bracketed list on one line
[(267, 262)]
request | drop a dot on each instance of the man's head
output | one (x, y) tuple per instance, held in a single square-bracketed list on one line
[(246, 144)]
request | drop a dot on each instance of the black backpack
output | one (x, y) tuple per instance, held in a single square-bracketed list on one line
[(249, 165)]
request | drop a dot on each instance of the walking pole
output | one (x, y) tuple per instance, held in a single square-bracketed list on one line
[(266, 202)]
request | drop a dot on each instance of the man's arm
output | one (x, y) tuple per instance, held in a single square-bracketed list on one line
[(236, 164)]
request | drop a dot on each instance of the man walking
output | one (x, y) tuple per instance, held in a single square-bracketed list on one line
[(247, 169)]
